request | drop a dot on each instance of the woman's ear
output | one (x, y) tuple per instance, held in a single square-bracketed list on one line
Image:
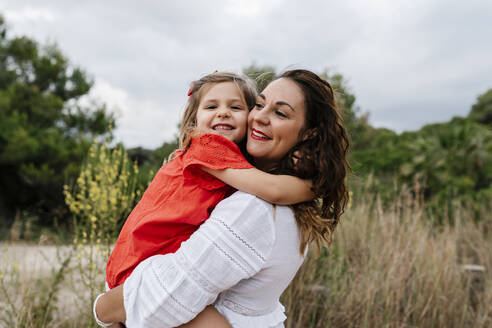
[(295, 156)]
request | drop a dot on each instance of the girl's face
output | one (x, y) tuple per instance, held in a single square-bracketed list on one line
[(222, 110), (274, 125)]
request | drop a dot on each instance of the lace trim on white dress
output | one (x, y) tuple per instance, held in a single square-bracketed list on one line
[(241, 317)]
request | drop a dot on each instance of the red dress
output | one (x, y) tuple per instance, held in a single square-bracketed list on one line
[(180, 197)]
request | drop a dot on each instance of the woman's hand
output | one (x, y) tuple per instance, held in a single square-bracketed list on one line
[(110, 307)]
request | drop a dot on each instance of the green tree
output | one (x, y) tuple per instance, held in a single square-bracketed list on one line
[(262, 75), (44, 132), (481, 111), (357, 123)]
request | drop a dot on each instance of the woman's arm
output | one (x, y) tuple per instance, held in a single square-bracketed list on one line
[(208, 318), (170, 290), (276, 189), (110, 308)]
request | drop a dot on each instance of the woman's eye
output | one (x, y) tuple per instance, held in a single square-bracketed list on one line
[(281, 114), (259, 105)]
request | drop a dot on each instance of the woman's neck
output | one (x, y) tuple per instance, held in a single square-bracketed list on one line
[(265, 166)]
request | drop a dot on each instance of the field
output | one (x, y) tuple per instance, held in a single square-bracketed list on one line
[(387, 267), (39, 287)]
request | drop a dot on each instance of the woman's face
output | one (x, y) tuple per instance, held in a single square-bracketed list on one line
[(275, 122)]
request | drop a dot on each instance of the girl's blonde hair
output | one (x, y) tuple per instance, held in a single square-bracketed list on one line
[(188, 123)]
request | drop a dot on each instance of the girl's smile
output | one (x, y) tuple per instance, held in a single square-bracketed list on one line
[(223, 110)]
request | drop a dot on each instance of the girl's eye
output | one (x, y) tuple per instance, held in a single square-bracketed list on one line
[(281, 114), (236, 107), (259, 105), (211, 107)]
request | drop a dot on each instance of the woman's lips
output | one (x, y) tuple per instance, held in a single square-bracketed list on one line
[(258, 135)]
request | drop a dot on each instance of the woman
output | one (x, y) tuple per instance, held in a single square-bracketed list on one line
[(245, 255)]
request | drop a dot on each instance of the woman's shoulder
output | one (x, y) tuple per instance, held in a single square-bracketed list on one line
[(249, 202), (276, 221), (254, 216), (246, 204), (246, 219)]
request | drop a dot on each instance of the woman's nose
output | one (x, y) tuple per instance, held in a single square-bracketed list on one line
[(261, 116)]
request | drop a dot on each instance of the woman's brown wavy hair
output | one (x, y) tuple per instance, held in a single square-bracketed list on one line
[(320, 156)]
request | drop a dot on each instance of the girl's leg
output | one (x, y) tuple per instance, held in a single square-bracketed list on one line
[(208, 318)]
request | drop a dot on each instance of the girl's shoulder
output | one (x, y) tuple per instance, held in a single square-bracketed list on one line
[(213, 144), (215, 152)]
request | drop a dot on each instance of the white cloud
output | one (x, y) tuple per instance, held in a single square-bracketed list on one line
[(31, 15), (243, 8), (139, 122), (250, 8), (408, 63)]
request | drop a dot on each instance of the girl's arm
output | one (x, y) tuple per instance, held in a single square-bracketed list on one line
[(275, 189)]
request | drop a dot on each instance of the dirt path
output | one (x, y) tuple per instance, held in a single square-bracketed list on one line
[(32, 260), (25, 268)]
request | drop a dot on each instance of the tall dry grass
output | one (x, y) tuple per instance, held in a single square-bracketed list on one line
[(391, 267), (387, 267)]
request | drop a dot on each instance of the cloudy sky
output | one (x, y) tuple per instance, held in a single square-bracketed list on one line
[(408, 62)]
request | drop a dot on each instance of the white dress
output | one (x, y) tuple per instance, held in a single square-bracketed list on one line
[(241, 260)]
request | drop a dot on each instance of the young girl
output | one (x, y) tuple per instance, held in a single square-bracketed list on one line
[(186, 189)]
